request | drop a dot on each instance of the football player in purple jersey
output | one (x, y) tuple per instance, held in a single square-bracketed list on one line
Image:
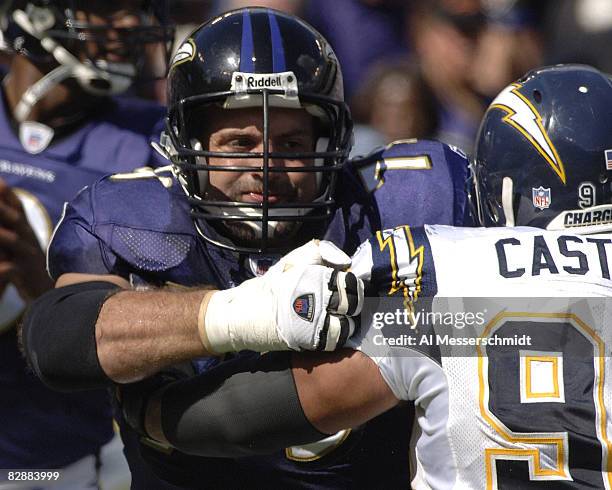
[(63, 125)]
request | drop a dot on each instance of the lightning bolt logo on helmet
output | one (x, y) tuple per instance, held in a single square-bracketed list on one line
[(524, 117)]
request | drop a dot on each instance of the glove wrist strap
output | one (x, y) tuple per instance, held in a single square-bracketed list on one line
[(238, 319)]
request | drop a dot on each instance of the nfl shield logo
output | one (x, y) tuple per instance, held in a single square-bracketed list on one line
[(35, 137), (541, 197)]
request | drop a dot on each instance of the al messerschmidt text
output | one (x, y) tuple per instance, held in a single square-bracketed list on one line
[(448, 340)]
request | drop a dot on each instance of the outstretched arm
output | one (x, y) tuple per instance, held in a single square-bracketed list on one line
[(92, 330), (258, 406), (111, 333), (138, 333)]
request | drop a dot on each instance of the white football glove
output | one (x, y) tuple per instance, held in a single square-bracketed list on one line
[(297, 305)]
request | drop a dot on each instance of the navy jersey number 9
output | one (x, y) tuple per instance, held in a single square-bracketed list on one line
[(545, 403)]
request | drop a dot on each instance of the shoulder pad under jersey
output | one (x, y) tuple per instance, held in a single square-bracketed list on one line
[(416, 182), (140, 221)]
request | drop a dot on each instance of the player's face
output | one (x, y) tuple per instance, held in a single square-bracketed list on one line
[(291, 131), (108, 22), (241, 130)]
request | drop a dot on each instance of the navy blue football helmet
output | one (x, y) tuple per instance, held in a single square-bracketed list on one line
[(544, 152), (105, 46), (256, 57)]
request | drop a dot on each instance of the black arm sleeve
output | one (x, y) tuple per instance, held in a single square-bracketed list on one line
[(59, 336), (240, 408)]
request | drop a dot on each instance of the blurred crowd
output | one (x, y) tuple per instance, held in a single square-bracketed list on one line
[(429, 68)]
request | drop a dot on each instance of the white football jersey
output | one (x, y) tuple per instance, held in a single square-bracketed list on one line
[(509, 365)]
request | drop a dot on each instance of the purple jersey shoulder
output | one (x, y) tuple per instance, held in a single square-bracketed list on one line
[(120, 138), (121, 225), (416, 182)]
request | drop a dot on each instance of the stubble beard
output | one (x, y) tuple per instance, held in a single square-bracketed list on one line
[(247, 233)]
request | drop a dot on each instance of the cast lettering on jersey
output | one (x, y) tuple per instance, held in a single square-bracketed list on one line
[(543, 255), (523, 397), (477, 262)]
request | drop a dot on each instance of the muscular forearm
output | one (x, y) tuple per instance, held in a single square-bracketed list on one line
[(140, 332), (88, 322), (88, 333), (340, 389)]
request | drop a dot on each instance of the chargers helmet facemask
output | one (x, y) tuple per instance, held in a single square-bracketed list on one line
[(544, 152), (103, 57), (256, 57)]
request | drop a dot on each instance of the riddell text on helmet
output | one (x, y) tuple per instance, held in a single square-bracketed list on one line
[(256, 82)]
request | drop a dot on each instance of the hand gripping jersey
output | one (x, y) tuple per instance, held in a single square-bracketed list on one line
[(506, 352), (42, 428), (139, 227)]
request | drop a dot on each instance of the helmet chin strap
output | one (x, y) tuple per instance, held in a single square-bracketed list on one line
[(507, 197), (86, 73)]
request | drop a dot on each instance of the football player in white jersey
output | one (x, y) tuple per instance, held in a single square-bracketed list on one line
[(525, 399)]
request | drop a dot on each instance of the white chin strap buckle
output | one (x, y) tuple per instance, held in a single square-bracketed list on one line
[(507, 198)]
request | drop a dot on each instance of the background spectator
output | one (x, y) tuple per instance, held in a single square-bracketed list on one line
[(509, 46), (445, 35), (396, 101), (362, 32), (579, 31)]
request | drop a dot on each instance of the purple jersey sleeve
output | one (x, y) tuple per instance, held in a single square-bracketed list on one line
[(74, 246)]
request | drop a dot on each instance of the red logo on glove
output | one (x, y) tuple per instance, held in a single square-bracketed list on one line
[(304, 306)]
